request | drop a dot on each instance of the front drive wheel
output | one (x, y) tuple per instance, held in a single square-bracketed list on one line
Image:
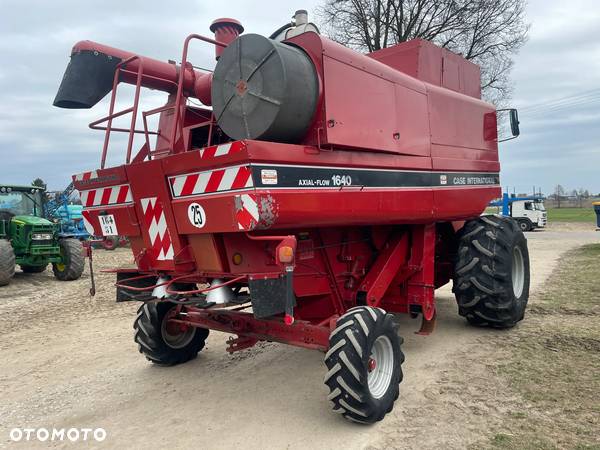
[(73, 262), (162, 342), (491, 281), (364, 364)]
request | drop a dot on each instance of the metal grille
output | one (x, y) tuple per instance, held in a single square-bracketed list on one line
[(45, 242)]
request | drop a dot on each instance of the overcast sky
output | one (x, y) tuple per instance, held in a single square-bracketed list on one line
[(560, 141)]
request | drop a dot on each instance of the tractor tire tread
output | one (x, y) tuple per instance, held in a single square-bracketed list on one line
[(483, 280), (148, 336), (347, 360), (7, 262), (72, 251)]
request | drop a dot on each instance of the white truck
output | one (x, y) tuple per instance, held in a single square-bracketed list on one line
[(529, 212)]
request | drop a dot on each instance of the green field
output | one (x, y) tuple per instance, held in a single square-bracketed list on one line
[(562, 214), (572, 215)]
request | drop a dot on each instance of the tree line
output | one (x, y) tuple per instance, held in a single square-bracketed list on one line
[(562, 195)]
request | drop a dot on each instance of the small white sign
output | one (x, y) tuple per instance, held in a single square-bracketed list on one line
[(443, 179), (268, 176), (196, 215), (108, 225)]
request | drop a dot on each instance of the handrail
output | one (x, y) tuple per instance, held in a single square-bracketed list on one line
[(179, 95), (145, 114), (111, 111), (178, 122)]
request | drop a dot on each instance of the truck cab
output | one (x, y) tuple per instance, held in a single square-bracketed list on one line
[(529, 213)]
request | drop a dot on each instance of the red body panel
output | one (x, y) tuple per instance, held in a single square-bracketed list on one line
[(434, 65)]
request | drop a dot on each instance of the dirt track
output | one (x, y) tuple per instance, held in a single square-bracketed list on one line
[(70, 361)]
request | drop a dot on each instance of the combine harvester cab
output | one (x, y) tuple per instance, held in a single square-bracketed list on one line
[(327, 190)]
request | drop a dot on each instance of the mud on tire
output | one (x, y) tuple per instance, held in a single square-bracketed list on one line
[(491, 280), (73, 263), (160, 345), (7, 262), (364, 364)]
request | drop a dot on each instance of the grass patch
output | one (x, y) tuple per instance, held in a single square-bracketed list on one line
[(574, 287), (572, 215), (507, 441), (554, 362), (492, 210)]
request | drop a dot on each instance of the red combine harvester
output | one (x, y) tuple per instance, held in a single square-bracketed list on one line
[(325, 189)]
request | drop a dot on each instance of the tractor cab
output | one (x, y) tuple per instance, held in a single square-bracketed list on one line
[(21, 201), (29, 240), (22, 217)]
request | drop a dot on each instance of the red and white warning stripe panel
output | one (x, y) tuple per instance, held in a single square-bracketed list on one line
[(247, 212), (211, 181), (222, 150), (85, 176), (111, 195), (156, 226), (87, 222)]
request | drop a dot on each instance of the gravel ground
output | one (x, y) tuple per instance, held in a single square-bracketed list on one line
[(69, 360)]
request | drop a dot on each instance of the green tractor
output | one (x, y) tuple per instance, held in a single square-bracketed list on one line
[(32, 242)]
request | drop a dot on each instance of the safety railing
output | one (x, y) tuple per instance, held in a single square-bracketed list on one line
[(178, 120)]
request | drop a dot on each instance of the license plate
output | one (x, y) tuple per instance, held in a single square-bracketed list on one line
[(108, 225)]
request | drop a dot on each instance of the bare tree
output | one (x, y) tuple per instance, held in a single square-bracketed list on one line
[(559, 192), (488, 32)]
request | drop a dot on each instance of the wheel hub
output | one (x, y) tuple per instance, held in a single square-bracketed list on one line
[(518, 272), (176, 335), (371, 365), (380, 367), (241, 87)]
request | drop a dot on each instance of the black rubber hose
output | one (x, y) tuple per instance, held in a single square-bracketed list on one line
[(279, 30)]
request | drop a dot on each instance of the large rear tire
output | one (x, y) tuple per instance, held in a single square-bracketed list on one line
[(491, 280), (364, 364), (162, 343), (73, 261), (7, 262)]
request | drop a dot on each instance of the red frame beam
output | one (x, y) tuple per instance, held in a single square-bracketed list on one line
[(301, 333), (385, 269), (421, 286)]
